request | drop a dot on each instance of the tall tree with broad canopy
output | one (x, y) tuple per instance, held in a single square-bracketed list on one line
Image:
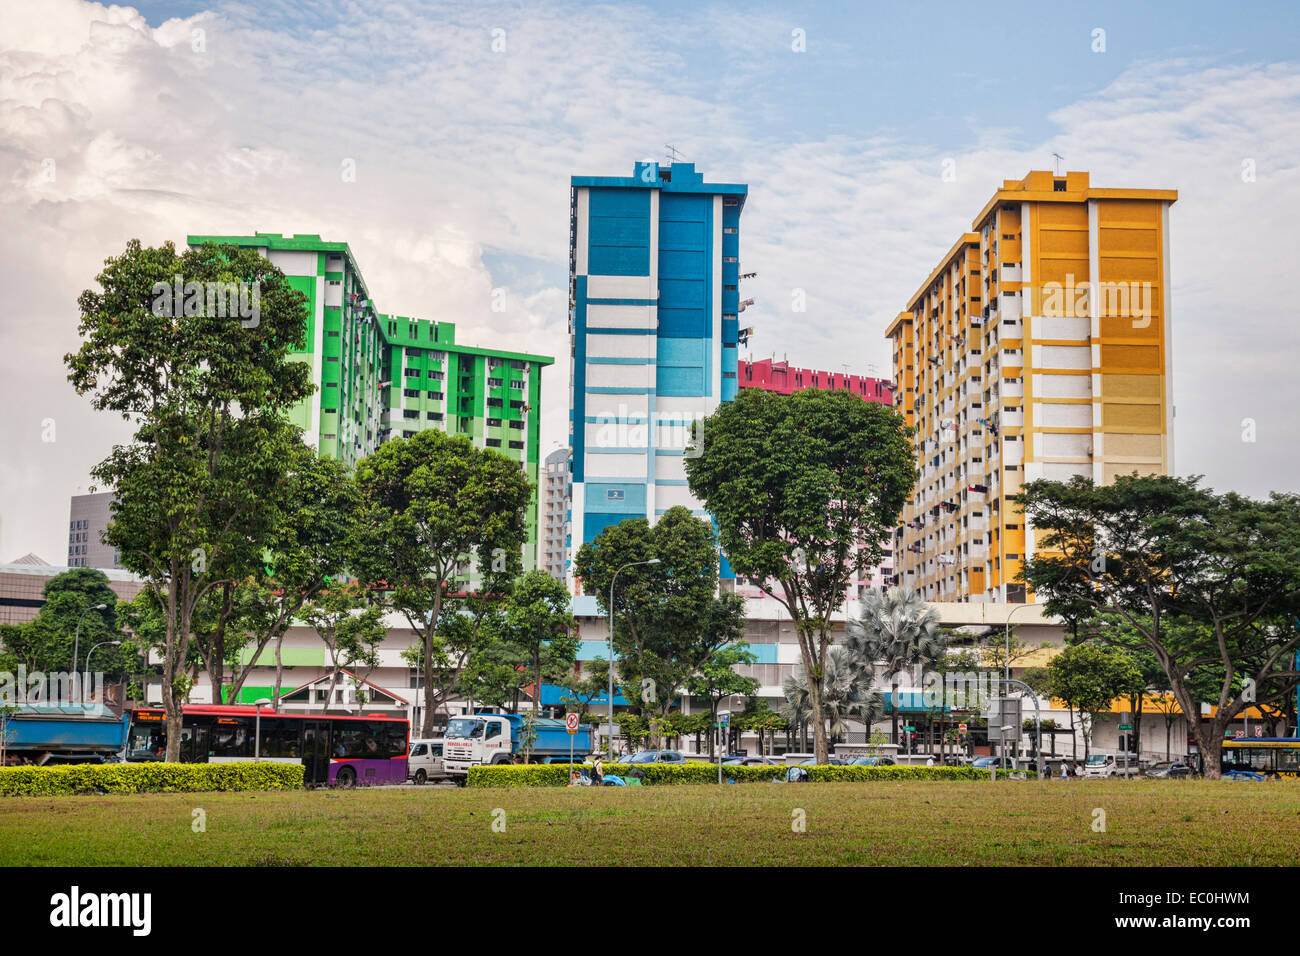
[(351, 629), (195, 489), (1204, 580), (806, 490), (442, 512), (668, 617)]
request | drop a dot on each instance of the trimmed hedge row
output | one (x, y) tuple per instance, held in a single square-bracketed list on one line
[(557, 775), (148, 778)]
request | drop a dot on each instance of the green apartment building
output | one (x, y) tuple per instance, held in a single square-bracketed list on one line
[(380, 376)]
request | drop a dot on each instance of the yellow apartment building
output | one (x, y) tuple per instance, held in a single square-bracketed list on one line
[(1038, 347)]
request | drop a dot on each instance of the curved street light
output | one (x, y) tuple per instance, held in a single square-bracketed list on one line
[(88, 653), (611, 647), (76, 641)]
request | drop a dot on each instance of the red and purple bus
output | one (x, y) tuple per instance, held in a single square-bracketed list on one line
[(343, 751)]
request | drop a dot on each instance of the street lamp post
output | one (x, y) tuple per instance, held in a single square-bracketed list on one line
[(1006, 666), (257, 731), (76, 641), (611, 648), (91, 651)]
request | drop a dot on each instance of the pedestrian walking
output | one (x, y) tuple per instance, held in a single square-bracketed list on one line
[(597, 772)]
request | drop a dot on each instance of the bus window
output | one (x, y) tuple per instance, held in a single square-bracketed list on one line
[(1287, 761), (231, 740)]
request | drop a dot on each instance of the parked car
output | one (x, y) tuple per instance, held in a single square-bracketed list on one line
[(873, 762), (830, 761), (653, 756), (1169, 770), (749, 762), (424, 762), (985, 762)]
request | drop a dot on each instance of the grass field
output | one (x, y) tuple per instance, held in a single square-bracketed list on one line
[(1185, 823)]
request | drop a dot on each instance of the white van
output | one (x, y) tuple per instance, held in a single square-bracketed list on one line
[(424, 762), (1110, 765)]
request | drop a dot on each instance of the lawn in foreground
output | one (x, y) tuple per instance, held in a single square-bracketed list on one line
[(1184, 823)]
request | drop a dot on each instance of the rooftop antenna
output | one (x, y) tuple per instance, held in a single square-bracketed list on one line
[(673, 154), (1058, 157)]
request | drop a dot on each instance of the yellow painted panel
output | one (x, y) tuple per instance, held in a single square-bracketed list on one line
[(1111, 470), (1130, 357), (1055, 242), (1130, 386), (1132, 327), (1143, 211), (1063, 214), (1114, 241), (1131, 416), (1133, 446), (1063, 271), (1128, 269)]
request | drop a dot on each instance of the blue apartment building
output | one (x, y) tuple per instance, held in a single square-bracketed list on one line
[(654, 277)]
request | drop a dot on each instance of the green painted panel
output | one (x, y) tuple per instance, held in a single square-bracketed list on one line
[(289, 656)]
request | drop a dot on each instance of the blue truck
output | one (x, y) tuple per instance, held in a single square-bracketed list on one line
[(62, 733), (484, 739)]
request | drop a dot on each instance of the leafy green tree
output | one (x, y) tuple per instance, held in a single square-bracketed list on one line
[(442, 512), (1204, 580), (716, 679), (899, 628), (668, 617), (351, 630), (805, 489), (195, 489), (1089, 677), (536, 621), (762, 719), (46, 643)]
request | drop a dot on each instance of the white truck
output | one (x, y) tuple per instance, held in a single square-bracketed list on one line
[(485, 739)]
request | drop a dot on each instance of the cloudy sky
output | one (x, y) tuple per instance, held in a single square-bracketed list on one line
[(465, 121)]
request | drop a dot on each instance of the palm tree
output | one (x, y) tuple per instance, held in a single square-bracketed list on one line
[(896, 627), (847, 694)]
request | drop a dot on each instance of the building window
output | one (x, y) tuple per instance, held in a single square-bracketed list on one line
[(516, 424), (436, 396), (410, 393), (433, 416), (410, 413), (495, 383), (493, 442), (494, 403), (517, 445), (494, 422)]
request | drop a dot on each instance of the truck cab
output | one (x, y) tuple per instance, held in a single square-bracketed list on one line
[(486, 739)]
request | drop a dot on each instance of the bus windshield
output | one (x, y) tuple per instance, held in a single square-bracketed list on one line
[(465, 727)]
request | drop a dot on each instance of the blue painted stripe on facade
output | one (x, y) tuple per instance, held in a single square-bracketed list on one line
[(766, 653), (603, 331), (650, 302), (672, 481), (579, 371)]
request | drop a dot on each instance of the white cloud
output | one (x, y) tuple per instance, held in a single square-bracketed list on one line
[(461, 151)]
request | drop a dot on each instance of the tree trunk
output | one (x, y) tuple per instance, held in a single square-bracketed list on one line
[(279, 674), (893, 710), (820, 750), (713, 723), (170, 707), (1074, 734)]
